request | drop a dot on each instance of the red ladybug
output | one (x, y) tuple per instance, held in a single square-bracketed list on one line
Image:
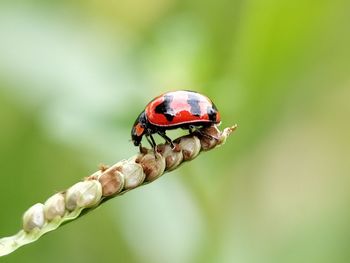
[(176, 109)]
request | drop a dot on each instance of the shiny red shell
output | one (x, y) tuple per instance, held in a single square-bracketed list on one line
[(178, 108)]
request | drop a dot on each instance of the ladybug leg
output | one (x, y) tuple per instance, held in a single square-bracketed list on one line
[(140, 148), (167, 139), (151, 141), (190, 129), (154, 145)]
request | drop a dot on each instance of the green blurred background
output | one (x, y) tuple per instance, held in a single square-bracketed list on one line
[(75, 74)]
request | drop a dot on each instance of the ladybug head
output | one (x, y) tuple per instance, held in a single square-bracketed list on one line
[(139, 129)]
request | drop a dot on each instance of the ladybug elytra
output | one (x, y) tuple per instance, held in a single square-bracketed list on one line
[(171, 110)]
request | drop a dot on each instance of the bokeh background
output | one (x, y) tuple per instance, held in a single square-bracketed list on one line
[(75, 74)]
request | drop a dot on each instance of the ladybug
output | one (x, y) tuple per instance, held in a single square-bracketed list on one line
[(176, 109)]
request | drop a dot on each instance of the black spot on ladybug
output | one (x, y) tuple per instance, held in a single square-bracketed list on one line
[(165, 108), (193, 101), (212, 113)]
